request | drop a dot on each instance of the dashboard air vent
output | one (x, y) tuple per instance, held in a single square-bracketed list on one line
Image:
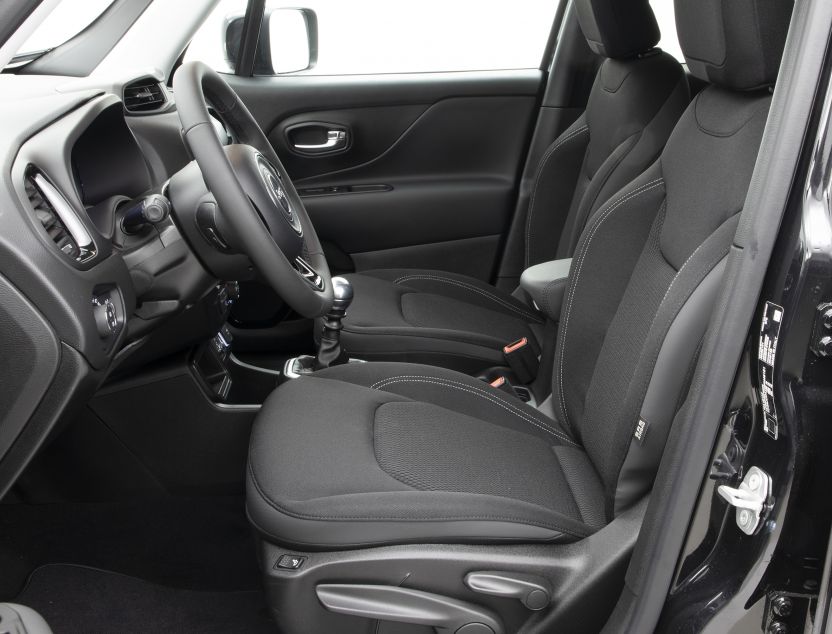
[(58, 218), (145, 95)]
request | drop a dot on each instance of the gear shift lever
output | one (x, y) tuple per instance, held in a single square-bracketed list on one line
[(330, 351)]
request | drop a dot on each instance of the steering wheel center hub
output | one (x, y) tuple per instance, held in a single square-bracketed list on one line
[(273, 181)]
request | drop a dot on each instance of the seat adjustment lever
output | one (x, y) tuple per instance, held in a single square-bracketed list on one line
[(405, 605), (531, 591)]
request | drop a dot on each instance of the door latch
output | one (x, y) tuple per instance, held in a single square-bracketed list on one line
[(752, 499)]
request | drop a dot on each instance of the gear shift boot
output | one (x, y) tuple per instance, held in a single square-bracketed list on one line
[(330, 352)]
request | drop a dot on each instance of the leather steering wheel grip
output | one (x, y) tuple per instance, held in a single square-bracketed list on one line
[(195, 86)]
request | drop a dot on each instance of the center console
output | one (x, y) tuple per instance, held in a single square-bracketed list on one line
[(228, 380)]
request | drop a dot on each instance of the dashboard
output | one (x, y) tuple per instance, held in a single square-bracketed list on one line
[(80, 295)]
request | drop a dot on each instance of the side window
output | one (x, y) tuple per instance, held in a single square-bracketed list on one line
[(666, 17), (393, 36)]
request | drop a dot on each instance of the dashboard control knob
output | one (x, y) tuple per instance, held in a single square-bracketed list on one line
[(106, 316)]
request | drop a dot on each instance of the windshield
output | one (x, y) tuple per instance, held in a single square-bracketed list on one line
[(64, 22)]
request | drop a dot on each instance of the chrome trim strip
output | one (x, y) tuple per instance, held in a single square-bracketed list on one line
[(68, 216)]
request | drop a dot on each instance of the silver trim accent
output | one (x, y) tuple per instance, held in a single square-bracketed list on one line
[(254, 368), (309, 274), (334, 138), (68, 216), (289, 367)]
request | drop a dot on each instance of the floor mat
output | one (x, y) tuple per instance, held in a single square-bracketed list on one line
[(201, 544), (87, 600)]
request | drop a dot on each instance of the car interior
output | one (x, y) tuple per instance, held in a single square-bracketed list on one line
[(392, 353)]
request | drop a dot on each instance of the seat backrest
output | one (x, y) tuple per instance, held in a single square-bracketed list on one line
[(648, 266), (638, 95)]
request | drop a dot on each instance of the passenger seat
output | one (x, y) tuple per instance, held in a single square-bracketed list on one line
[(458, 322)]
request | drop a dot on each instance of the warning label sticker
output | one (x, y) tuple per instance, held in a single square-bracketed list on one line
[(769, 335)]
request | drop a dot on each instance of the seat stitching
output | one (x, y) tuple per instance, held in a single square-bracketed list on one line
[(499, 518), (451, 382), (570, 487), (547, 291), (678, 273), (585, 210), (613, 206), (479, 390), (476, 392), (540, 425), (470, 287), (537, 178)]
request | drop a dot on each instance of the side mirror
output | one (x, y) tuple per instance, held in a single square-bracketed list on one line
[(288, 41), (293, 39)]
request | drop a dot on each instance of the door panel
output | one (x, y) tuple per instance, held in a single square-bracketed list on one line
[(470, 256), (371, 132), (428, 176)]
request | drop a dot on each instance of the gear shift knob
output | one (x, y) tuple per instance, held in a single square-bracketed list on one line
[(343, 294)]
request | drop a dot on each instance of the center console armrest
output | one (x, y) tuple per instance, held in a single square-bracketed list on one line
[(546, 284)]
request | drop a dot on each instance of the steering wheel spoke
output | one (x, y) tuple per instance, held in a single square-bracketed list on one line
[(309, 275)]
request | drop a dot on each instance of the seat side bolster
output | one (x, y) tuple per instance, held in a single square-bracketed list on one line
[(666, 388)]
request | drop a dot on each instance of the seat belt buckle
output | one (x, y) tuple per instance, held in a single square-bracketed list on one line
[(520, 391), (522, 360), (500, 383)]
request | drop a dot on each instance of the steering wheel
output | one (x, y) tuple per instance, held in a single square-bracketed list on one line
[(253, 191)]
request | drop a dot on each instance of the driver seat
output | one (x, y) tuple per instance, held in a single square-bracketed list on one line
[(459, 322), (376, 456)]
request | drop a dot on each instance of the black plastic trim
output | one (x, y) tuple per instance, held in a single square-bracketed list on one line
[(252, 23), (13, 15)]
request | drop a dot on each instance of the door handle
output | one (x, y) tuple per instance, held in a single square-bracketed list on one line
[(334, 139)]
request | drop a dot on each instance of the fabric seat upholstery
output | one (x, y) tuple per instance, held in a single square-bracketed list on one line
[(445, 319), (638, 95), (364, 459), (386, 453)]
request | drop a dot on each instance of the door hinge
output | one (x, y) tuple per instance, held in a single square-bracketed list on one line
[(752, 499)]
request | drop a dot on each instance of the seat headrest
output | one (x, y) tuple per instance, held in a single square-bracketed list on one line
[(736, 44), (618, 28)]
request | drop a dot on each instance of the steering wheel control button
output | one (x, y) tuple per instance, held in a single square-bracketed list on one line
[(290, 562)]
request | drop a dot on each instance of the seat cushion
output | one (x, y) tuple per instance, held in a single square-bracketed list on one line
[(434, 317), (385, 453)]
